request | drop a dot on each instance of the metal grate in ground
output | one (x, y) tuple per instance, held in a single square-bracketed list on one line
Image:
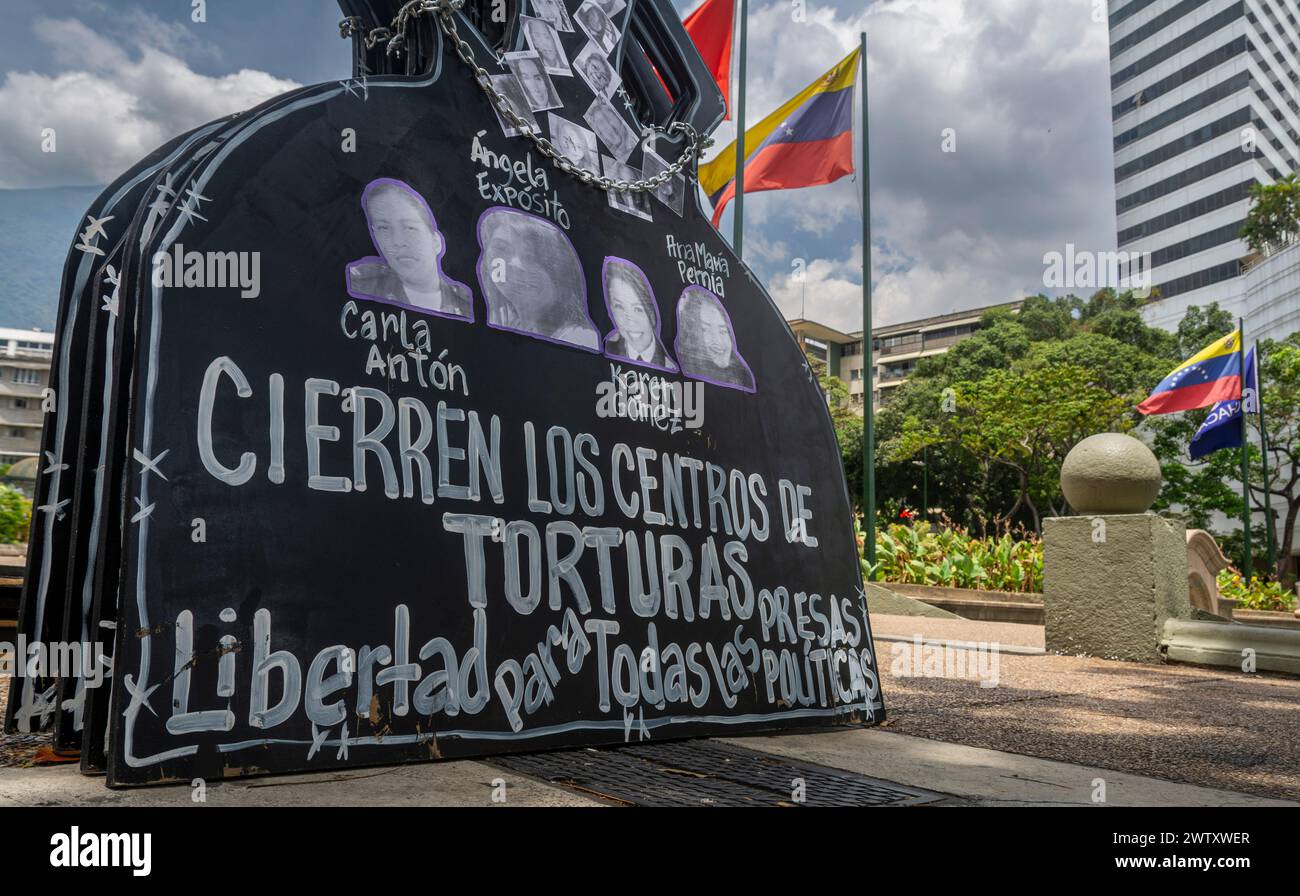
[(706, 773), (20, 749)]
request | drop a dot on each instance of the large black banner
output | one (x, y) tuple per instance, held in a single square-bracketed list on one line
[(434, 449)]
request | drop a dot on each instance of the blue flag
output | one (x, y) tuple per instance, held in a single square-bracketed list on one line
[(1222, 428)]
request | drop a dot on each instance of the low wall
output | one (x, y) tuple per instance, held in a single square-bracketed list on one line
[(1281, 619), (1271, 649), (13, 562), (981, 606), (883, 598)]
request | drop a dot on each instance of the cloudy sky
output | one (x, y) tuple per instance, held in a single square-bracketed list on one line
[(1022, 84)]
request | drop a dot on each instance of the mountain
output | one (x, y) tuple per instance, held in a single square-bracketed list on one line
[(37, 227)]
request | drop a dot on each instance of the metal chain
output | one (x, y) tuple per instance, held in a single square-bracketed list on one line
[(395, 36)]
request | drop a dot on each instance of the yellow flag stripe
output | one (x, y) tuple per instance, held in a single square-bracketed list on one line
[(1228, 345), (721, 170)]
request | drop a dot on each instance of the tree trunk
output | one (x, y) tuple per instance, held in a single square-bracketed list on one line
[(1033, 510), (1286, 539)]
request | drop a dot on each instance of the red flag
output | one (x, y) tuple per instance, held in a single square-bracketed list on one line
[(711, 27)]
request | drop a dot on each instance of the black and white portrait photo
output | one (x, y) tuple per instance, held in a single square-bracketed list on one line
[(554, 12), (575, 143), (611, 8), (612, 130), (545, 42), (408, 269), (532, 279), (508, 86), (706, 342), (633, 202), (595, 70), (637, 335), (597, 26), (673, 191), (539, 92)]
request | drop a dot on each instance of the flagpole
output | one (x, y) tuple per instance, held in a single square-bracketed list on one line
[(738, 221), (1271, 548), (1248, 566), (868, 411)]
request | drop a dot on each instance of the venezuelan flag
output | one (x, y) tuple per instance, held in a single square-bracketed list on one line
[(1209, 377), (806, 142)]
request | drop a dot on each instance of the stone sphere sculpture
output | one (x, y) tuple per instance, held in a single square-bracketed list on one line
[(1110, 473)]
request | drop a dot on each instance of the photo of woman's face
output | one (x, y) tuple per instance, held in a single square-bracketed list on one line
[(537, 87), (630, 314), (404, 237), (544, 41), (597, 74), (606, 123), (715, 335), (508, 262)]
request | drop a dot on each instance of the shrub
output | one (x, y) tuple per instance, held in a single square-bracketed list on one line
[(921, 554), (1258, 594), (15, 516)]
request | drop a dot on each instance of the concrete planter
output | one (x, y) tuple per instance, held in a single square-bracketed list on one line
[(1280, 618), (982, 606), (1274, 649)]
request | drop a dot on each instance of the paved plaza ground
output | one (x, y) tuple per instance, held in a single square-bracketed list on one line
[(1198, 725)]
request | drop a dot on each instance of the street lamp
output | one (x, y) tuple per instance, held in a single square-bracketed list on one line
[(924, 464)]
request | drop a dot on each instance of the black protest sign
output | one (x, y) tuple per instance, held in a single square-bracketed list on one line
[(47, 615), (435, 450), (74, 549), (164, 194), (102, 506), (140, 199)]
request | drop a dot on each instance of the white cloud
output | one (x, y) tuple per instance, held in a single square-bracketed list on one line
[(1025, 86), (112, 104), (830, 291)]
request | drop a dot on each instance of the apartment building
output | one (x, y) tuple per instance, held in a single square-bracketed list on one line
[(24, 376), (896, 349)]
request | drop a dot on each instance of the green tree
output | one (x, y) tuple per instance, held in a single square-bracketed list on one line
[(999, 412), (848, 425), (1274, 216), (15, 516), (1101, 356), (1280, 393), (1025, 419)]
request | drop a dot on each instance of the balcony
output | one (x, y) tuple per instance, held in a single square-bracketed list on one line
[(10, 389), (902, 348), (38, 356), (28, 416), (27, 444)]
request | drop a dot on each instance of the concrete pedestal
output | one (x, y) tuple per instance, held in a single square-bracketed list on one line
[(1110, 582)]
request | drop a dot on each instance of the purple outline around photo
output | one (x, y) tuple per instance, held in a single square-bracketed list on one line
[(735, 349), (442, 275), (586, 309), (654, 304)]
